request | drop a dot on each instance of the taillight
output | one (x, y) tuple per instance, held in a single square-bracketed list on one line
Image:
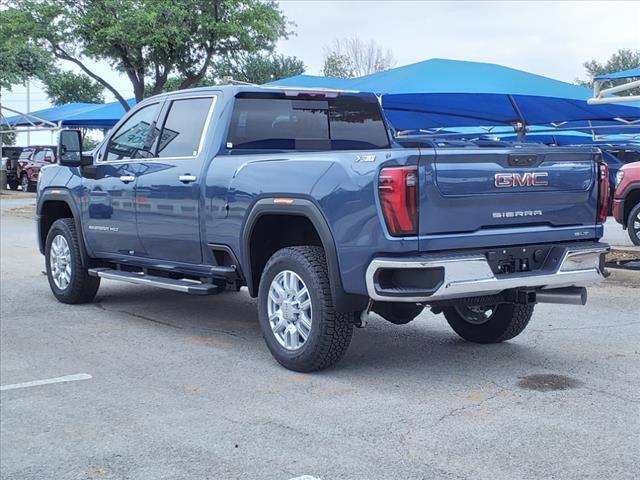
[(398, 188), (603, 192)]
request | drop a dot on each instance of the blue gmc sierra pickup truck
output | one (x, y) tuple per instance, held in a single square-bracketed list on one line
[(306, 198)]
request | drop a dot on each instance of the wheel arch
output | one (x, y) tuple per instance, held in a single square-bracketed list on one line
[(631, 199), (53, 205), (306, 211)]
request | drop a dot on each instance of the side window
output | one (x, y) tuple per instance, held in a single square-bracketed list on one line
[(182, 129), (39, 156), (136, 137), (26, 154)]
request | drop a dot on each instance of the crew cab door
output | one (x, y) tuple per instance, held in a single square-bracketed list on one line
[(108, 209), (168, 190)]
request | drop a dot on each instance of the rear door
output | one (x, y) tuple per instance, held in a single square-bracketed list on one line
[(476, 197), (168, 190)]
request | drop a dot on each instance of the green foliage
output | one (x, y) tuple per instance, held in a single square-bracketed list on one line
[(621, 60), (258, 69), (337, 65), (150, 40), (8, 138), (352, 57), (68, 87), (21, 58)]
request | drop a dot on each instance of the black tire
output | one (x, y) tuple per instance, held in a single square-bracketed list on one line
[(633, 224), (26, 185), (507, 321), (330, 333), (14, 184), (82, 287), (398, 313)]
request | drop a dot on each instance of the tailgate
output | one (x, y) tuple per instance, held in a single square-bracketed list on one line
[(520, 195)]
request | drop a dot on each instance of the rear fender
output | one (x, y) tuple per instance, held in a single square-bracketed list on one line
[(344, 302)]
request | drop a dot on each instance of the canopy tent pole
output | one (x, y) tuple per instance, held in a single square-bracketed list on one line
[(601, 96), (521, 126)]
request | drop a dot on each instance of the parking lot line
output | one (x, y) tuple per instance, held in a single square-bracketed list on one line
[(47, 381)]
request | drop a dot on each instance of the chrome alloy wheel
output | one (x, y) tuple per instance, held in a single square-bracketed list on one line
[(635, 224), (289, 309), (476, 315), (60, 262), (24, 183)]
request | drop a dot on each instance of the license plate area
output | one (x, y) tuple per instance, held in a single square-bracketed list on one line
[(510, 260)]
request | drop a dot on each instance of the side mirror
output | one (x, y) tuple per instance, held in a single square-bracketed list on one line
[(70, 148)]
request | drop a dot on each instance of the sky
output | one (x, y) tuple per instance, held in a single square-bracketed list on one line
[(550, 38)]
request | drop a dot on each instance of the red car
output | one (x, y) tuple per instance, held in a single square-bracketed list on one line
[(31, 160), (626, 200)]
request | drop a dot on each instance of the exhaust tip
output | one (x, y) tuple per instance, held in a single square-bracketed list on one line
[(566, 296)]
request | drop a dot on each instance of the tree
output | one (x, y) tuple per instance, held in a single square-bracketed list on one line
[(621, 60), (7, 138), (68, 87), (258, 69), (352, 57), (21, 59), (150, 40), (337, 65)]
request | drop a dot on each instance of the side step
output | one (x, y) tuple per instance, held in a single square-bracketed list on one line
[(186, 286)]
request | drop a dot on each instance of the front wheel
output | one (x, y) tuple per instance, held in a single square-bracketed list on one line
[(296, 312), (633, 224), (489, 324), (25, 183), (68, 279)]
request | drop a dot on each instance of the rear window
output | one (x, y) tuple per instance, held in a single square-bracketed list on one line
[(627, 155), (280, 123)]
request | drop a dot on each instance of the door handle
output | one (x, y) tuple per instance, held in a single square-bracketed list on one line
[(127, 178), (187, 178)]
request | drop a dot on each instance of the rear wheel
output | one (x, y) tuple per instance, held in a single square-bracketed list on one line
[(68, 279), (14, 184), (296, 312), (489, 324), (633, 224)]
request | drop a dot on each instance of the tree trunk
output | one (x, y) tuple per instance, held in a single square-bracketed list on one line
[(61, 54)]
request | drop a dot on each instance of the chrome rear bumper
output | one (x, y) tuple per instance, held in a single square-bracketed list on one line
[(469, 275)]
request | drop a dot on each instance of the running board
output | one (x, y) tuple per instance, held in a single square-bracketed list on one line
[(186, 286)]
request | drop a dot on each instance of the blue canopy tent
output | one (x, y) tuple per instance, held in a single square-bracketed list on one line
[(46, 116), (104, 116), (444, 93), (73, 115), (631, 73)]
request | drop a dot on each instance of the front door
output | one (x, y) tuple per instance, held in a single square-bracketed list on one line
[(109, 215), (168, 189)]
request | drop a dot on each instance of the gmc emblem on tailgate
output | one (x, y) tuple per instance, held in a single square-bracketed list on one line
[(528, 179)]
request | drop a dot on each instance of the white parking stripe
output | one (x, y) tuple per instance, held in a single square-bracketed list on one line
[(306, 477), (47, 381)]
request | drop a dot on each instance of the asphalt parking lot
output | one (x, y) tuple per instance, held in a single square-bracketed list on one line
[(179, 387)]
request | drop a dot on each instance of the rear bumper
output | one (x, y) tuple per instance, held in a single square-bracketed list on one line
[(463, 275)]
